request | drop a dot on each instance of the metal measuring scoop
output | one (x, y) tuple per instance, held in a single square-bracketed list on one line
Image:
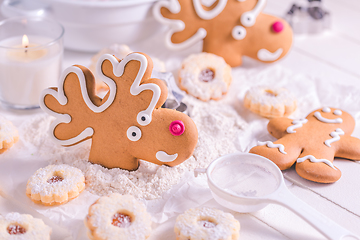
[(245, 182)]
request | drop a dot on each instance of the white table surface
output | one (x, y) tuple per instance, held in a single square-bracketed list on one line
[(333, 56)]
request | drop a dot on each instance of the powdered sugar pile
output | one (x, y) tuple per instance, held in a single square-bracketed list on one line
[(218, 125)]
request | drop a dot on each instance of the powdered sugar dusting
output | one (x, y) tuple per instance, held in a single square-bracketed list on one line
[(218, 126)]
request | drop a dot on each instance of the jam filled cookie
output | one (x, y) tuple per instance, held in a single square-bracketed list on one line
[(8, 134), (119, 217), (55, 184), (206, 223), (205, 76), (270, 102), (23, 226)]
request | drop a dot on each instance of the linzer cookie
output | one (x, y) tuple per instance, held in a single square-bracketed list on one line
[(126, 125), (312, 143), (55, 184), (206, 223), (205, 76), (23, 226), (118, 217), (8, 134), (228, 28), (270, 102)]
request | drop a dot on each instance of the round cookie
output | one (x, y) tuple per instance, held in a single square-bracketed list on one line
[(312, 143), (228, 28), (8, 134), (23, 226), (118, 217), (55, 184), (206, 223), (205, 76), (270, 102)]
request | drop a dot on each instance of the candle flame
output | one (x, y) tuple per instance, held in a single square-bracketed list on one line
[(25, 41)]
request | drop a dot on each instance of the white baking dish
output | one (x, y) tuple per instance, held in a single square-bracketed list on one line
[(91, 25)]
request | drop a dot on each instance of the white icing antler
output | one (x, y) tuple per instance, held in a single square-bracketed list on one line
[(144, 117), (248, 19), (207, 15), (59, 95), (176, 25)]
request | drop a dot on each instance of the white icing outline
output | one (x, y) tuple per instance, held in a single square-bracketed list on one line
[(315, 160), (248, 19), (136, 88), (235, 32), (297, 124), (175, 25), (326, 120), (59, 95), (338, 112), (335, 137), (270, 144), (164, 157), (131, 130), (326, 110), (208, 15), (266, 56)]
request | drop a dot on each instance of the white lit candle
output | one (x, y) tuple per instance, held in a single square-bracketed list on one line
[(28, 64)]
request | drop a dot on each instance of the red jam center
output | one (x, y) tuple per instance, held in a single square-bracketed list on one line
[(270, 93), (15, 230), (54, 179), (207, 75), (121, 220), (206, 224)]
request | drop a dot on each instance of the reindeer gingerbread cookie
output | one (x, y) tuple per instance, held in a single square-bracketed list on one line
[(229, 28), (128, 123), (312, 143)]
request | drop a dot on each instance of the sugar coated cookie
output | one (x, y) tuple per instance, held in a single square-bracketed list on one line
[(270, 102), (205, 76), (228, 28), (23, 227), (118, 217), (312, 143), (126, 125), (8, 134), (206, 223), (55, 184)]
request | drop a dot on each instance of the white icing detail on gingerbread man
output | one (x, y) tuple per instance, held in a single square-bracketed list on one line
[(248, 19), (265, 55), (238, 32), (144, 117), (270, 144), (176, 25), (207, 15), (326, 110), (164, 157), (59, 95), (326, 120), (338, 112), (335, 137), (297, 124), (315, 160)]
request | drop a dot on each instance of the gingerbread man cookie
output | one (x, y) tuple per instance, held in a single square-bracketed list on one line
[(312, 143), (128, 123), (228, 28)]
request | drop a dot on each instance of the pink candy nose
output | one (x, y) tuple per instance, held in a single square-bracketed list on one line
[(277, 26), (177, 128)]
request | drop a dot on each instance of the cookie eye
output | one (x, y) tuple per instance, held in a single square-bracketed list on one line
[(326, 110), (143, 119), (133, 133), (239, 32), (338, 112)]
